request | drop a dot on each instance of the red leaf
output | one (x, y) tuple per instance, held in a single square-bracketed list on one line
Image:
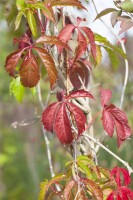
[(62, 125), (48, 63), (79, 93), (65, 34), (12, 60), (114, 116), (105, 96), (91, 38), (48, 116), (79, 117), (108, 122), (118, 197), (29, 71), (51, 40), (23, 41), (79, 71), (82, 45), (121, 180), (111, 196)]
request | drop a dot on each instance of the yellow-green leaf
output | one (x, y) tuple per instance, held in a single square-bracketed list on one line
[(98, 55), (43, 190), (32, 22), (17, 89), (18, 19)]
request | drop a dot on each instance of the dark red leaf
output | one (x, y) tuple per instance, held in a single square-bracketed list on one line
[(105, 96), (62, 125), (82, 45), (91, 38), (108, 122), (29, 71), (79, 117), (48, 116), (48, 63), (79, 93), (65, 34), (12, 60), (79, 71)]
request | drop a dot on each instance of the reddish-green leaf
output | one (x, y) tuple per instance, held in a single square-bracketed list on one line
[(67, 3), (29, 71), (94, 189), (68, 189), (62, 125), (48, 63), (12, 60)]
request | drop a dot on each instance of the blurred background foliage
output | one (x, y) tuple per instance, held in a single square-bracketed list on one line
[(23, 157)]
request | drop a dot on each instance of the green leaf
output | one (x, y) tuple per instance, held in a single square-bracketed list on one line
[(44, 186), (43, 190), (103, 41), (127, 5), (85, 159), (113, 58), (17, 89), (104, 12), (20, 4), (32, 22), (84, 169), (18, 18)]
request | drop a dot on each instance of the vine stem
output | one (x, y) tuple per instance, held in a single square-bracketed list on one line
[(44, 132), (126, 75), (125, 60), (110, 152)]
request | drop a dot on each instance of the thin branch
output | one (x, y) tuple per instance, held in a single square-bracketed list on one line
[(110, 152), (126, 75), (44, 132), (26, 122), (124, 50)]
